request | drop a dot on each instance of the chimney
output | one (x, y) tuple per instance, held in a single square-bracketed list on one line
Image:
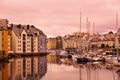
[(28, 27), (11, 25), (19, 26)]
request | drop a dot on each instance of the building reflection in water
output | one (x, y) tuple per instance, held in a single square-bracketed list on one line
[(34, 68), (51, 58), (30, 68), (1, 74)]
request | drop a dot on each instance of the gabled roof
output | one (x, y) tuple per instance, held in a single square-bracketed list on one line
[(3, 24), (30, 30), (17, 29)]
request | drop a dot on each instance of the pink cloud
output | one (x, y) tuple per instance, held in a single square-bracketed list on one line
[(60, 16)]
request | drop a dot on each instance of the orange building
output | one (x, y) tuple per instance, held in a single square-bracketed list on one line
[(4, 36), (5, 41)]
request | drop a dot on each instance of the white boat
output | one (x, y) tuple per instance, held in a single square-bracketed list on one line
[(62, 53)]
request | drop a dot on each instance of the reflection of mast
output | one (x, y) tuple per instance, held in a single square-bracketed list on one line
[(80, 73), (94, 74), (88, 73), (98, 74), (113, 75)]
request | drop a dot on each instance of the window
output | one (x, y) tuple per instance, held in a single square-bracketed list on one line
[(19, 37), (2, 33)]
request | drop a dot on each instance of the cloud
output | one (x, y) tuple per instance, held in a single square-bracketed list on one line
[(61, 16)]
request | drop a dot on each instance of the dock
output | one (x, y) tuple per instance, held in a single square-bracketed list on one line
[(19, 55)]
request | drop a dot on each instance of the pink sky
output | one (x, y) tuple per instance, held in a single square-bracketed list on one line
[(61, 17)]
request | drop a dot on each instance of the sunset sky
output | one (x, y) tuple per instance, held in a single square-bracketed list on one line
[(61, 17)]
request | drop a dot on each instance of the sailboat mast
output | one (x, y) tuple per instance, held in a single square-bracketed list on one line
[(116, 22), (87, 24), (80, 20), (93, 28)]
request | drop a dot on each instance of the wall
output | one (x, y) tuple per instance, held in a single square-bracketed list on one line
[(5, 41)]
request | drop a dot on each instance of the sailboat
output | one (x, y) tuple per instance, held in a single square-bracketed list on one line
[(117, 61)]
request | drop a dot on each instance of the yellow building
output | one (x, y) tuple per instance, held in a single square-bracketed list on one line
[(51, 43)]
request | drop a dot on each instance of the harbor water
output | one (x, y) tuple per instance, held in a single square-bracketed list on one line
[(51, 67)]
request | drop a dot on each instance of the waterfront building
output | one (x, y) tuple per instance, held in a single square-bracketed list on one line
[(117, 39), (51, 43), (42, 42), (77, 41), (69, 42), (9, 39), (20, 39), (94, 42), (1, 50), (59, 44), (110, 40), (4, 37), (65, 42), (17, 38), (27, 39), (103, 41)]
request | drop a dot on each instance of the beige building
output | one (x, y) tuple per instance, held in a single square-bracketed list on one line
[(103, 41), (117, 39), (25, 39)]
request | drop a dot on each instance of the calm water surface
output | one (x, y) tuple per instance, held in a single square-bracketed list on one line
[(53, 68)]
